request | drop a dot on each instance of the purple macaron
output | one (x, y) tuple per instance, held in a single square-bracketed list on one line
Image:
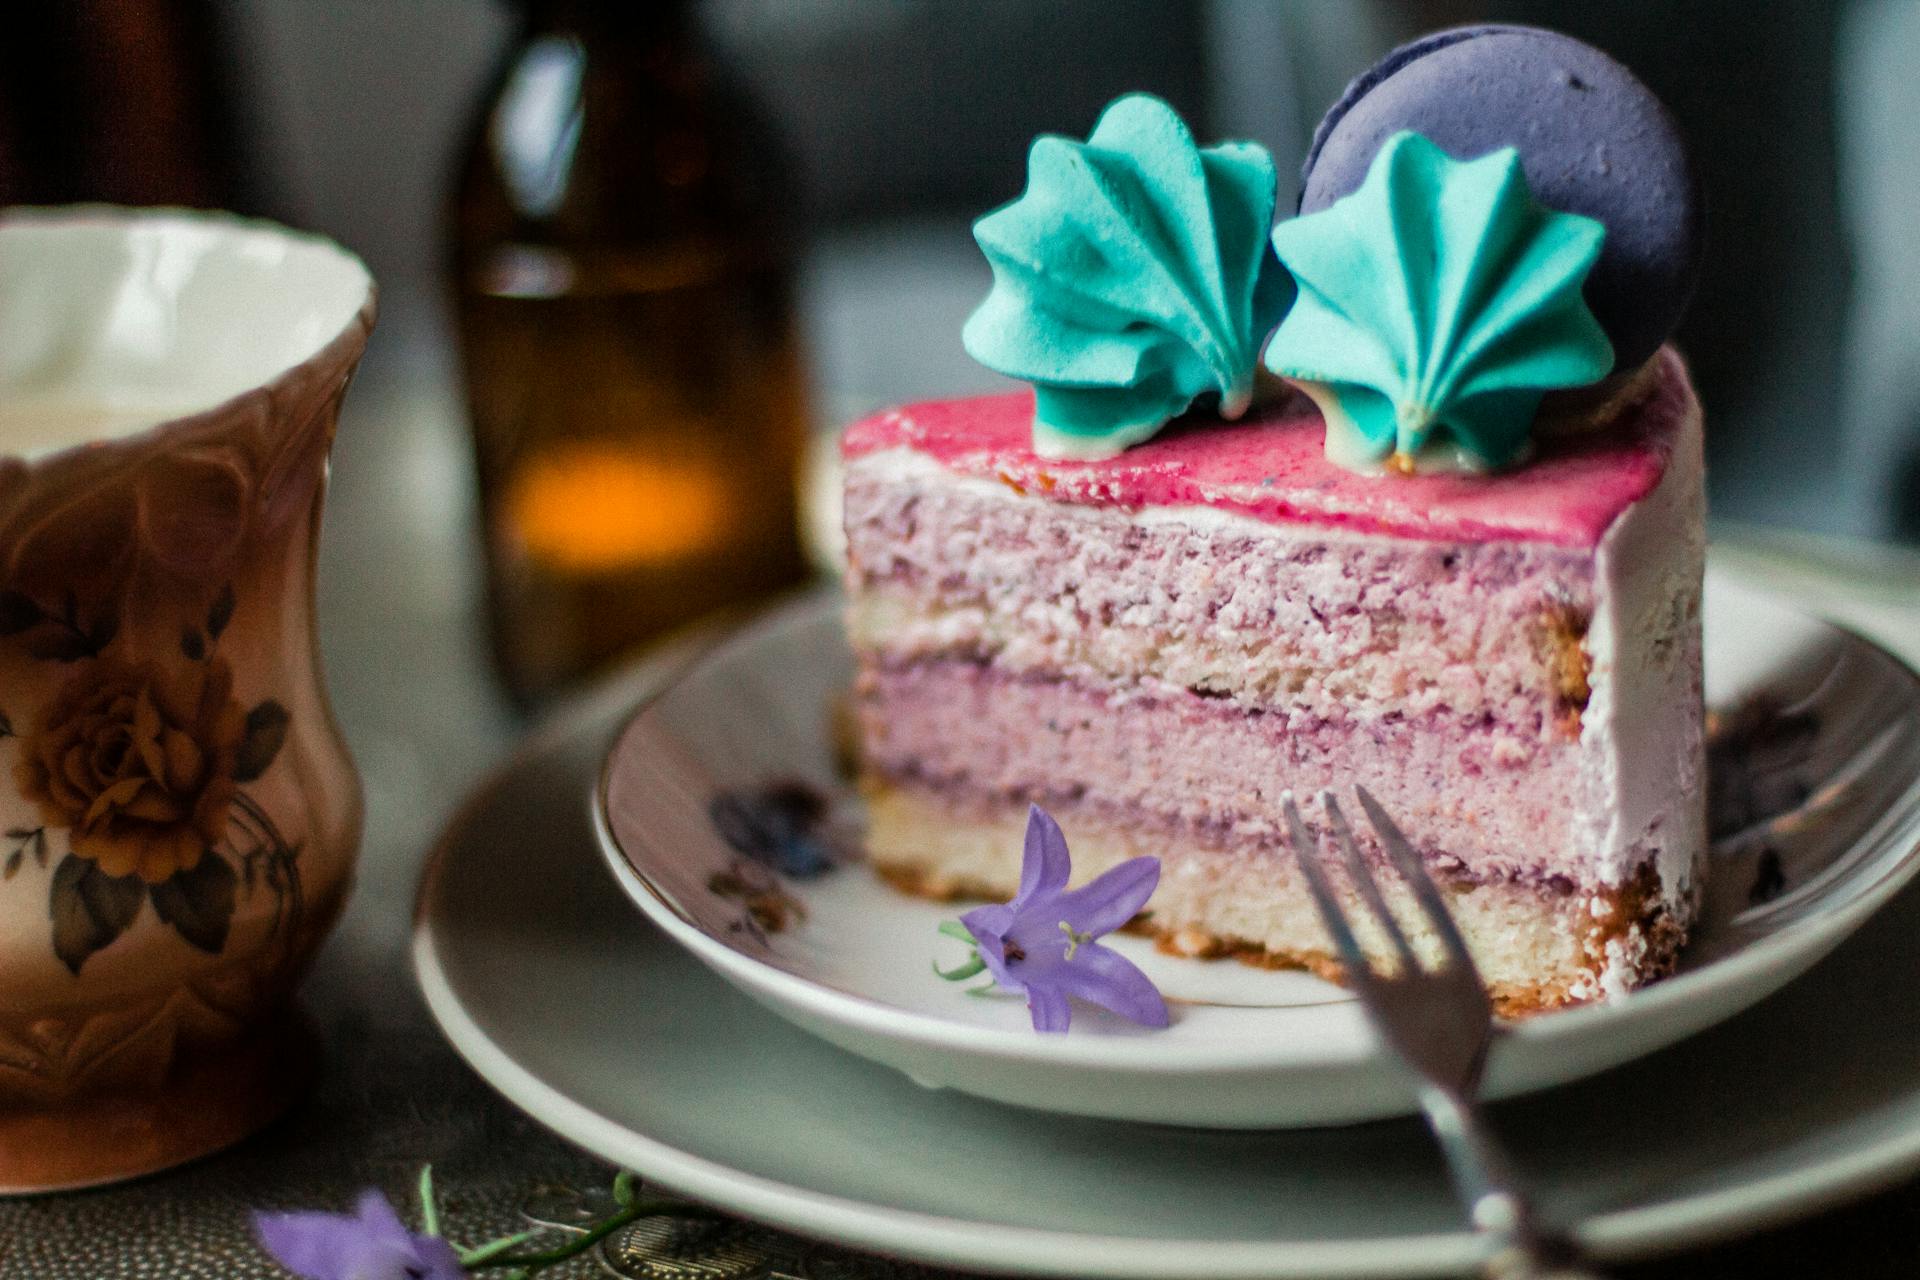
[(1593, 140)]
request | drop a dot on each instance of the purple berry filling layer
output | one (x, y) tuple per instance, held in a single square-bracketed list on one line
[(1482, 799)]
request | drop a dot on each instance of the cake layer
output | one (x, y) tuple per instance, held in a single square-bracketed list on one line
[(1539, 944), (1477, 798), (1340, 625), (1271, 468), (1563, 681), (1161, 645)]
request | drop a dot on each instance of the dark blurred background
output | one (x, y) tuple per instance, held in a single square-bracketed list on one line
[(904, 118)]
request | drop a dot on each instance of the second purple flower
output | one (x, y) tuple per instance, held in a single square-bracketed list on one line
[(1043, 944)]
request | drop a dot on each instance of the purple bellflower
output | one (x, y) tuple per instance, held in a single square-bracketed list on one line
[(1043, 944), (371, 1244)]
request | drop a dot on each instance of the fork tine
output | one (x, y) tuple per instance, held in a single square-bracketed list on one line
[(1352, 958), (1425, 892), (1363, 879)]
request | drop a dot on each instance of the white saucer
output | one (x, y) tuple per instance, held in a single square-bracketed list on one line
[(600, 1027), (847, 958)]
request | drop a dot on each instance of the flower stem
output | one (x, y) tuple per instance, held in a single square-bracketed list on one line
[(961, 972), (483, 1259), (429, 1211), (483, 1253), (261, 818), (284, 857)]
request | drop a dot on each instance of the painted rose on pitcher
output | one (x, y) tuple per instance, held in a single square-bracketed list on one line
[(141, 762)]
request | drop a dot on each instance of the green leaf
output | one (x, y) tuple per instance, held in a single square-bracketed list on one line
[(104, 629), (199, 902), (266, 733), (220, 612), (89, 908), (61, 646), (17, 612), (954, 929), (623, 1189)]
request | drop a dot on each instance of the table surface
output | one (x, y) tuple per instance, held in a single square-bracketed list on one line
[(425, 721)]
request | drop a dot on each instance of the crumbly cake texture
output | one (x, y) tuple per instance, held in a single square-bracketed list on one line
[(1156, 646)]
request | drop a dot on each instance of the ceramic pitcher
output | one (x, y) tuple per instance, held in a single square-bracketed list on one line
[(178, 813)]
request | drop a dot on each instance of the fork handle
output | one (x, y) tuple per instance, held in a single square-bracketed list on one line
[(1523, 1249)]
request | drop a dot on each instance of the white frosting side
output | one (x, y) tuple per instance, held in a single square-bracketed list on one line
[(1641, 733)]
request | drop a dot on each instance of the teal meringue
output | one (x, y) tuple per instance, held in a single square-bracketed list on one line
[(1132, 277), (1437, 304)]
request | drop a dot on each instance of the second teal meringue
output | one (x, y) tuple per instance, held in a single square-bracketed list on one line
[(1438, 303), (1133, 276)]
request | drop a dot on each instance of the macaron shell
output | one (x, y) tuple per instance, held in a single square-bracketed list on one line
[(1363, 84), (1593, 140)]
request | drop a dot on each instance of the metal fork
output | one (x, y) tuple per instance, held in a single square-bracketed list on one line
[(1438, 1020)]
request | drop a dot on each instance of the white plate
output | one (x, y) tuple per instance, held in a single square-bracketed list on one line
[(849, 959), (601, 1028)]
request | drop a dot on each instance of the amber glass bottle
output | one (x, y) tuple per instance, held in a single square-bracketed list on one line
[(621, 271)]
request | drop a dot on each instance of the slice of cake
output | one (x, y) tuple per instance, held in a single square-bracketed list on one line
[(1155, 646), (1458, 563)]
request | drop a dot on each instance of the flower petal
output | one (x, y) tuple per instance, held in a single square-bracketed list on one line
[(988, 925), (146, 731), (989, 922), (1111, 899), (119, 795), (336, 1246), (371, 1244), (184, 762), (303, 1243), (1044, 865), (428, 1257), (1049, 1008), (1110, 980), (439, 1259), (376, 1218)]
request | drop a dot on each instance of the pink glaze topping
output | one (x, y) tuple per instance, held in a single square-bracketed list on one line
[(1271, 467)]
